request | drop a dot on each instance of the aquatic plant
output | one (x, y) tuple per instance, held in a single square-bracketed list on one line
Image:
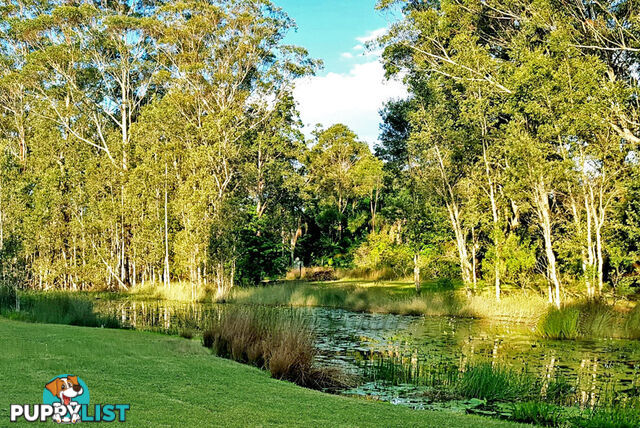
[(537, 413), (632, 323), (608, 417), (58, 308), (493, 382), (281, 342), (560, 323), (589, 318)]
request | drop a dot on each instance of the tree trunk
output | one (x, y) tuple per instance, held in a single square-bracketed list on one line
[(496, 222), (544, 217), (416, 271), (461, 243), (166, 231)]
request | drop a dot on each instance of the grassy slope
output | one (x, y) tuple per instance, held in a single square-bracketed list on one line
[(171, 381)]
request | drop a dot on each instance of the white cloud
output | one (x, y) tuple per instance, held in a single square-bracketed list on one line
[(352, 98), (372, 35), (346, 55), (358, 48)]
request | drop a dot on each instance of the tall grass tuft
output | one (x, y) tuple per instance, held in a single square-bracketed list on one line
[(590, 318), (58, 308), (632, 324), (615, 417), (560, 323), (490, 382), (534, 412), (281, 342)]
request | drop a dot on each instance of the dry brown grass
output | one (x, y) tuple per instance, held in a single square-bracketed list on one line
[(281, 342)]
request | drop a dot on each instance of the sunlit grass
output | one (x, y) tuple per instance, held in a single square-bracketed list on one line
[(592, 318), (281, 342), (171, 381), (54, 308), (176, 291), (393, 297)]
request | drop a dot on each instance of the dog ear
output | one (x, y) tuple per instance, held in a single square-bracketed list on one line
[(54, 386), (73, 379)]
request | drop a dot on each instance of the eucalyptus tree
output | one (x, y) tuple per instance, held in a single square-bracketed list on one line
[(342, 172), (537, 97), (137, 122)]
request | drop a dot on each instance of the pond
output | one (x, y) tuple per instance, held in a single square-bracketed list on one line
[(358, 341)]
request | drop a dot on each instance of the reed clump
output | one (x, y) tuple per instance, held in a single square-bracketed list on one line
[(56, 308), (592, 318), (537, 413), (282, 343)]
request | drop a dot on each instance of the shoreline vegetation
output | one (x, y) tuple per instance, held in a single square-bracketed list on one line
[(579, 317), (219, 391), (282, 344)]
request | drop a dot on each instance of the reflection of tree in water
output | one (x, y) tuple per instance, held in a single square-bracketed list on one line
[(347, 339)]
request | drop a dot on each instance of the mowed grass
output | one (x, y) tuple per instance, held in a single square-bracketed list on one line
[(171, 381)]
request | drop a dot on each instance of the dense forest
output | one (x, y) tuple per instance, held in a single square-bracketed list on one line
[(156, 141)]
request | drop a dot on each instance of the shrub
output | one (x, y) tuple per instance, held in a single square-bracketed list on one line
[(7, 297), (208, 339)]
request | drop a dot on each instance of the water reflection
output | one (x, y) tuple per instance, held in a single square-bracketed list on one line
[(346, 339)]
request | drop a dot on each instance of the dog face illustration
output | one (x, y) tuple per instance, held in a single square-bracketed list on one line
[(65, 388)]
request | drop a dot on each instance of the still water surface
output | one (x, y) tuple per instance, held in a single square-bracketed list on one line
[(349, 340)]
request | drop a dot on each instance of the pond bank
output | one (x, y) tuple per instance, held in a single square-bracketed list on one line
[(171, 381)]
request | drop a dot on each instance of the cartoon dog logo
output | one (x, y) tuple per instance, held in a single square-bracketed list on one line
[(68, 390)]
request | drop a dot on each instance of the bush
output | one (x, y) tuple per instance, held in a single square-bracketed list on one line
[(208, 338), (8, 297)]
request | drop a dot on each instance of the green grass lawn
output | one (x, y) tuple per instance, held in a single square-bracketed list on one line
[(170, 381)]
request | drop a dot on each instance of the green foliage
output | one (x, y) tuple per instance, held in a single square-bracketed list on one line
[(383, 250), (492, 382), (560, 323), (57, 308), (542, 414), (619, 417), (591, 318), (8, 296)]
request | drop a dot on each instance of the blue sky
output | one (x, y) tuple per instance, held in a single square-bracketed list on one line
[(351, 88)]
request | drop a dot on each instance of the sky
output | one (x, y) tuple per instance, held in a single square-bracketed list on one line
[(351, 88)]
